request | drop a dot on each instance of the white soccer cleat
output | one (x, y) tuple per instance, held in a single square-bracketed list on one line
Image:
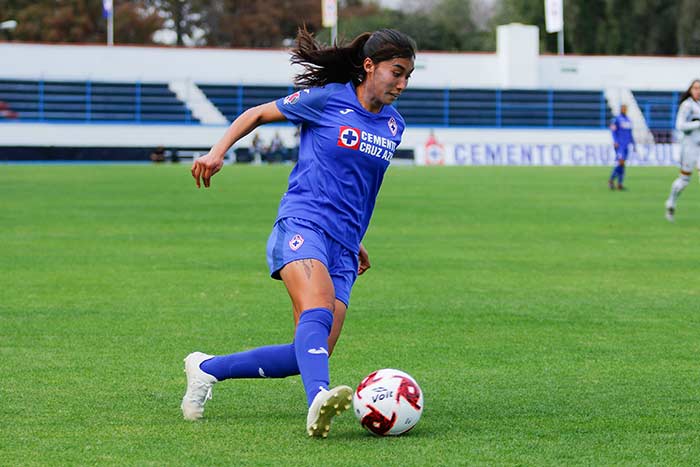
[(325, 406), (670, 213), (199, 386)]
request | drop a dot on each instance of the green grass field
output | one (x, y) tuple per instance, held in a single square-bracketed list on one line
[(548, 320)]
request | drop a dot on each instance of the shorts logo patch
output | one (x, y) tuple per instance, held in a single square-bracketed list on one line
[(349, 137), (296, 242), (292, 98), (393, 127)]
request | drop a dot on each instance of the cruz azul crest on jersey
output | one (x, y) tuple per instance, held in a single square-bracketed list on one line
[(393, 127), (349, 137), (296, 242), (292, 98)]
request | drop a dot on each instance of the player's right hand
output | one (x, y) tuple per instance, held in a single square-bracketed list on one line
[(363, 260), (205, 167)]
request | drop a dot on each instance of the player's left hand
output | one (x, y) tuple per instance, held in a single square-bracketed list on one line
[(363, 258), (205, 167)]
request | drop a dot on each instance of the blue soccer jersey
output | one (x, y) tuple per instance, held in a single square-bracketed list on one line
[(622, 132), (343, 155)]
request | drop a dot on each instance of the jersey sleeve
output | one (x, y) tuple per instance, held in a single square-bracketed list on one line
[(684, 120), (304, 106)]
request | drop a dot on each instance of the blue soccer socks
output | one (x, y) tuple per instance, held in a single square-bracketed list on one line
[(614, 172), (308, 355), (618, 172), (273, 361), (311, 349), (620, 175)]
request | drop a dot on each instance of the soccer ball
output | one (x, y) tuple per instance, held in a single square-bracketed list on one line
[(388, 402)]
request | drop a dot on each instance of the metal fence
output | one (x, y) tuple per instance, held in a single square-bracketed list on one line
[(89, 101)]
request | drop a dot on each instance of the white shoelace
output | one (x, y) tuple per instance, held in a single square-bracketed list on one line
[(196, 389)]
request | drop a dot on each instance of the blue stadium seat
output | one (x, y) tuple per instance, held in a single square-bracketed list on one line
[(504, 108), (659, 108), (154, 102), (580, 109), (233, 100), (93, 101)]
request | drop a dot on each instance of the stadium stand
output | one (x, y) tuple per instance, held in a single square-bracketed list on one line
[(505, 108), (658, 107), (579, 109), (473, 107), (90, 101), (659, 110), (7, 112), (232, 100), (454, 107)]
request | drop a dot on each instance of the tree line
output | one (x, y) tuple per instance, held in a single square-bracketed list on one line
[(642, 27)]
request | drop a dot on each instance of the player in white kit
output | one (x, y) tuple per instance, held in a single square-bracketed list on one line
[(688, 125)]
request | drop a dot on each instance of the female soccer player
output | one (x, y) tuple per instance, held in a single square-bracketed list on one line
[(688, 124), (349, 132), (621, 128)]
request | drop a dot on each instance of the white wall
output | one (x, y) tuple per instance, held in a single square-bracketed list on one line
[(518, 51), (272, 67), (600, 72), (451, 70), (160, 64), (107, 135), (529, 147)]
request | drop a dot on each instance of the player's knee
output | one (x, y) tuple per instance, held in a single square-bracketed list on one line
[(681, 182), (320, 300)]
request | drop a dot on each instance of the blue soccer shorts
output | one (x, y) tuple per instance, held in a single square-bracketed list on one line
[(293, 239), (621, 153)]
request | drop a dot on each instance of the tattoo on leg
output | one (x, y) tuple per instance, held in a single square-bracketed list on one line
[(308, 266)]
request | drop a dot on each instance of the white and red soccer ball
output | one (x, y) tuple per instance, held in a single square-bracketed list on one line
[(388, 402)]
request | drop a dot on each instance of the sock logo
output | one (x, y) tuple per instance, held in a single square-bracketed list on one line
[(318, 351)]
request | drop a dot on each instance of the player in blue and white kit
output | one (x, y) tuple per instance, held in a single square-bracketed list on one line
[(621, 128), (349, 133), (688, 125)]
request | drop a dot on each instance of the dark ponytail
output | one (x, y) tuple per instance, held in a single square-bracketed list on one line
[(686, 94), (341, 64)]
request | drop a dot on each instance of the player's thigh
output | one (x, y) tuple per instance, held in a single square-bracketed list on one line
[(689, 156)]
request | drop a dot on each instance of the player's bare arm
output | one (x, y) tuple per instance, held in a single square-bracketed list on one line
[(205, 167)]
